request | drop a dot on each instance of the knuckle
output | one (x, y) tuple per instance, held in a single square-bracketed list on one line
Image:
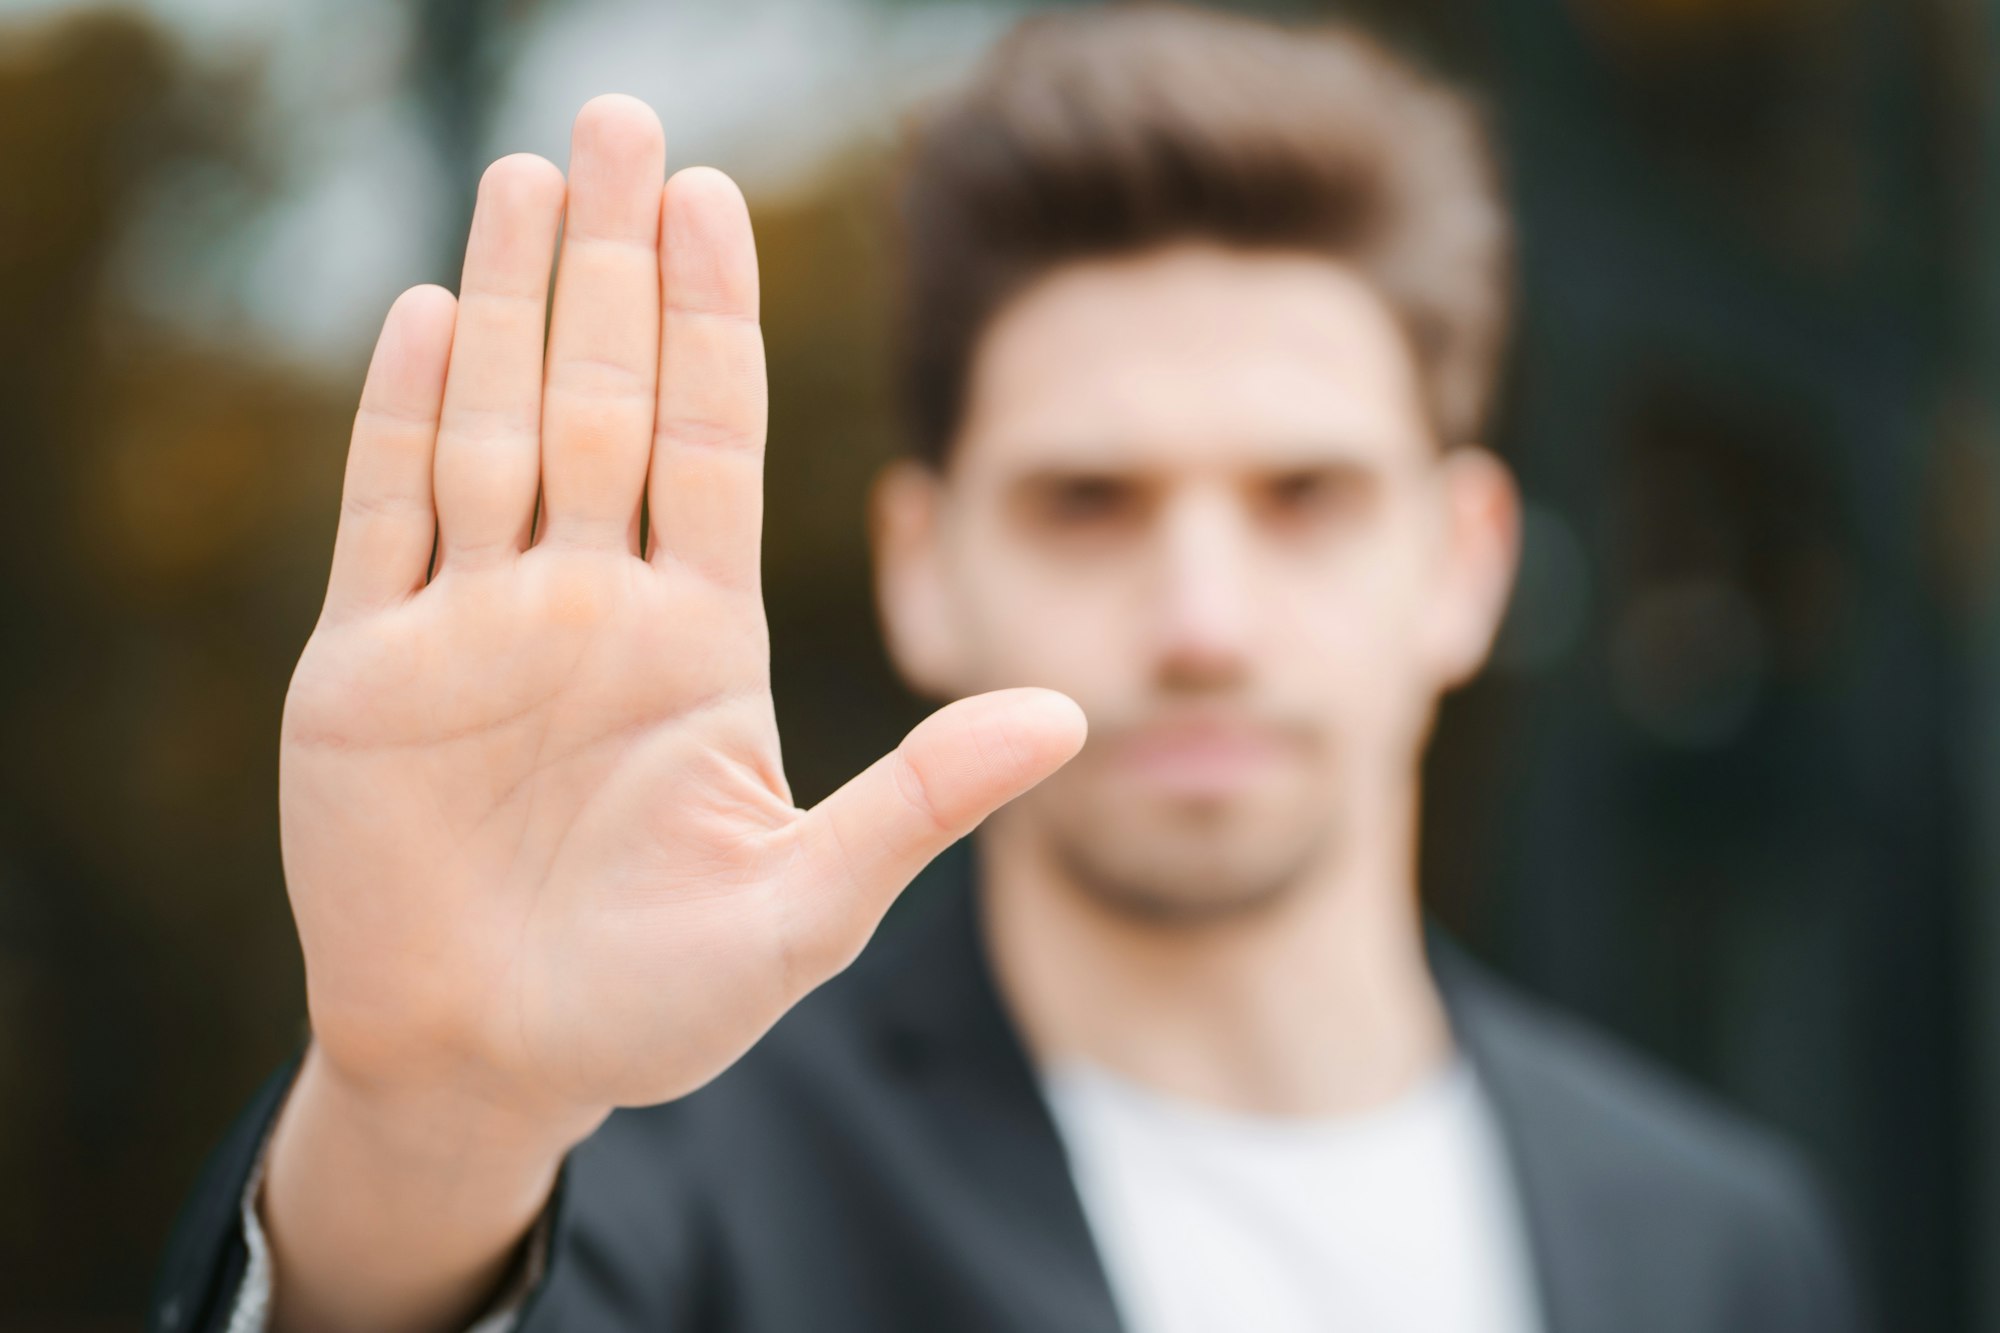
[(600, 377), (398, 419), (917, 794), (473, 424), (703, 432), (360, 508)]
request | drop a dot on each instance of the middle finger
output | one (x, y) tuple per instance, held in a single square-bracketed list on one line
[(604, 337)]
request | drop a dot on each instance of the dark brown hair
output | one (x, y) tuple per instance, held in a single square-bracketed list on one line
[(1120, 128)]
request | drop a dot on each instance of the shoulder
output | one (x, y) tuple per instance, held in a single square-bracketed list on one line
[(1644, 1117), (1608, 1138)]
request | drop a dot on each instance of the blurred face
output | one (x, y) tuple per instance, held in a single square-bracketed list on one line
[(1197, 491)]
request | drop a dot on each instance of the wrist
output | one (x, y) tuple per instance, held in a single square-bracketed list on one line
[(428, 1193), (456, 1139)]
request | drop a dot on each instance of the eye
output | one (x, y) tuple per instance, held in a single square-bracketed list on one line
[(1299, 489), (1314, 493), (1072, 501)]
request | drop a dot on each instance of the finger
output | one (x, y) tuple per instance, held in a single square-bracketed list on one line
[(706, 491), (382, 549), (604, 338), (488, 451), (862, 844)]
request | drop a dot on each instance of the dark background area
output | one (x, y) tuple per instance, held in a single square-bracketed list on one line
[(1728, 789)]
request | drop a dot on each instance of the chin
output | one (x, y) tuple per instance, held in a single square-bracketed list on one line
[(1179, 875)]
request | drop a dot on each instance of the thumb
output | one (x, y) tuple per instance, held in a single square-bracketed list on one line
[(860, 846)]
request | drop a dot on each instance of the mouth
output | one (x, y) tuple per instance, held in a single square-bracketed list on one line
[(1209, 758)]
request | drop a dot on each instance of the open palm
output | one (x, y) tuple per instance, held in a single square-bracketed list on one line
[(536, 828)]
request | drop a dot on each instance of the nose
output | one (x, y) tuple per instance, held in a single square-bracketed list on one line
[(1205, 575)]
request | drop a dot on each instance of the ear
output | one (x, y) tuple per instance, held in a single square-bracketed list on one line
[(1482, 547), (911, 591)]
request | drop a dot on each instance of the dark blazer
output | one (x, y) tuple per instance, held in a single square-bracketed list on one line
[(882, 1162)]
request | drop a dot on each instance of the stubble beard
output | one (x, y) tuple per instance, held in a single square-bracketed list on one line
[(1198, 873)]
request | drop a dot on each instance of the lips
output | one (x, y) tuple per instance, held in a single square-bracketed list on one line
[(1205, 758)]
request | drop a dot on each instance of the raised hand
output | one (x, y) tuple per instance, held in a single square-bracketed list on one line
[(536, 830)]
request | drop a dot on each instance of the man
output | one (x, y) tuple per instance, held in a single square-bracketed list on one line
[(1203, 317)]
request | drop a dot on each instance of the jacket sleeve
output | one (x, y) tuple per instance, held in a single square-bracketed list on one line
[(216, 1276), (630, 1233), (206, 1255)]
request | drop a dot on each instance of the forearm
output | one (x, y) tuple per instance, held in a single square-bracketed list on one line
[(397, 1215)]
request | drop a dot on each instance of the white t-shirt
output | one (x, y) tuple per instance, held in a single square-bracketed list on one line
[(1400, 1219)]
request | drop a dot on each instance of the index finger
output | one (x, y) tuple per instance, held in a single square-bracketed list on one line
[(705, 490)]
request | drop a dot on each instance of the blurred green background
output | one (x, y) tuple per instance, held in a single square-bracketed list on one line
[(1729, 788)]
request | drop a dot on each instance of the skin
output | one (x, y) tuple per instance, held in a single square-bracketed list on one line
[(537, 836), (1196, 490)]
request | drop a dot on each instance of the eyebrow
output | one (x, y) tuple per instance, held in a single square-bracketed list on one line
[(1085, 461)]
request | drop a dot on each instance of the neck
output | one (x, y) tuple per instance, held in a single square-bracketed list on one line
[(1320, 1003)]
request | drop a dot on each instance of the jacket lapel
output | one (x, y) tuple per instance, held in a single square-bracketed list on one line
[(1559, 1151), (944, 1028)]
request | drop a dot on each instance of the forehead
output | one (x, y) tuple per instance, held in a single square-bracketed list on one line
[(1192, 355)]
